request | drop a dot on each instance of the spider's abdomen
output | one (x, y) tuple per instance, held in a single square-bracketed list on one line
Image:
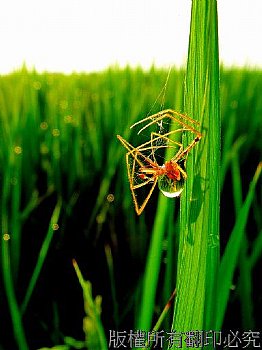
[(172, 171), (171, 183)]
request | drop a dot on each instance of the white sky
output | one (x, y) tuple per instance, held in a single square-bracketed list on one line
[(87, 35)]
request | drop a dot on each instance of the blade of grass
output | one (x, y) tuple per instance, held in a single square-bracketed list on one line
[(199, 214), (110, 264), (161, 318), (229, 259), (226, 147), (245, 274), (15, 222), (171, 245), (257, 250), (42, 254), (15, 313), (92, 309), (153, 266)]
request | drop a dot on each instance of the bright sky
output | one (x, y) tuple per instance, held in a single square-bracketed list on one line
[(87, 35)]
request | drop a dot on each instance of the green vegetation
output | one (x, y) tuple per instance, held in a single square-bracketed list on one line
[(59, 163), (199, 215)]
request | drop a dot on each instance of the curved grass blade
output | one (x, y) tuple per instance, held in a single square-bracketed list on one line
[(15, 313), (199, 214), (95, 335), (229, 260), (42, 254)]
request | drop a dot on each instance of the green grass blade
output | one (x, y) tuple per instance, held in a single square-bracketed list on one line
[(245, 274), (16, 162), (153, 266), (110, 264), (16, 316), (257, 250), (92, 323), (42, 254), (199, 214), (229, 260)]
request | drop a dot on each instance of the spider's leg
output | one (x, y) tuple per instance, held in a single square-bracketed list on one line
[(131, 172), (181, 119), (164, 112), (157, 119), (188, 148), (168, 142), (126, 144), (139, 208), (182, 171), (182, 116)]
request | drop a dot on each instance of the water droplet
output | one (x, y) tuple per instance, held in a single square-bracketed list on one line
[(44, 125), (18, 150), (169, 187), (55, 227), (56, 132), (68, 119), (6, 237), (110, 198)]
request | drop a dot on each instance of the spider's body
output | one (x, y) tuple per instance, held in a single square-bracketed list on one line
[(170, 169), (144, 169), (170, 177)]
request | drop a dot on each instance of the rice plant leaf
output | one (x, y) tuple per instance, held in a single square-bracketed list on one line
[(42, 255), (199, 213), (92, 325), (153, 263), (15, 313), (229, 260)]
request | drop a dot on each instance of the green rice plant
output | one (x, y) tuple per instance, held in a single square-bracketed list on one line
[(233, 248), (53, 227), (245, 280), (18, 329), (93, 328), (152, 270), (198, 254), (58, 138)]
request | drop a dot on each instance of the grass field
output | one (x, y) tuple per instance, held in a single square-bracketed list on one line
[(60, 160), (78, 265)]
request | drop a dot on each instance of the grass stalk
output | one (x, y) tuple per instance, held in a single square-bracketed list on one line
[(153, 263), (257, 251), (229, 260), (42, 254), (110, 264), (245, 273), (199, 212), (15, 313), (95, 335)]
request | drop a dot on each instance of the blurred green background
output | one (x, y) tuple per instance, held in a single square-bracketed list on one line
[(65, 195)]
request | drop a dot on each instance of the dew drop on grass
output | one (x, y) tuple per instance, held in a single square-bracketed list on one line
[(6, 237), (44, 125), (110, 198), (18, 150), (55, 227), (56, 132), (169, 187)]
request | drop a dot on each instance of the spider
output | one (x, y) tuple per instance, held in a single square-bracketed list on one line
[(143, 170)]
